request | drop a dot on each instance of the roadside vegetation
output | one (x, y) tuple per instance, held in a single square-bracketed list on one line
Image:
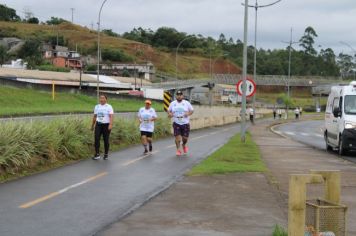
[(19, 102), (279, 231), (235, 156), (27, 148)]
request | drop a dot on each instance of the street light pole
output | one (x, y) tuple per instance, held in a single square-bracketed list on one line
[(244, 75), (256, 7), (99, 54), (290, 43), (177, 49)]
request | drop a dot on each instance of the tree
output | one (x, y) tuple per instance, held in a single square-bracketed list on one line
[(31, 52), (111, 33), (55, 21), (8, 14), (3, 55), (33, 20), (307, 41), (115, 55), (346, 64)]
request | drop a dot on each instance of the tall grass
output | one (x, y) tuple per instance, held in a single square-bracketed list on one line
[(26, 146)]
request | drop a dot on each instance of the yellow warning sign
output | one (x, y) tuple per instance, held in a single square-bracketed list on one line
[(167, 98)]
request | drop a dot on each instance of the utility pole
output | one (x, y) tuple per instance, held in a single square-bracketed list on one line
[(256, 7), (244, 75), (99, 53), (291, 42), (72, 9)]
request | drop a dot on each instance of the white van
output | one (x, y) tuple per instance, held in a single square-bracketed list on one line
[(340, 118)]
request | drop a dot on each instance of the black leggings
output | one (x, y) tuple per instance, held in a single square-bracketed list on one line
[(102, 129)]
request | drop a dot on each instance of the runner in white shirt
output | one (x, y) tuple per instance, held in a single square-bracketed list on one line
[(102, 124), (252, 114), (180, 110), (147, 116)]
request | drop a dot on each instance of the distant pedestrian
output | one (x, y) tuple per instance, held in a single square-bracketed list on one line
[(297, 113), (180, 110), (274, 113), (279, 113), (252, 114), (102, 126), (300, 111), (147, 116)]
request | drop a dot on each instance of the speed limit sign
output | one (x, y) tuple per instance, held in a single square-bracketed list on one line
[(250, 87)]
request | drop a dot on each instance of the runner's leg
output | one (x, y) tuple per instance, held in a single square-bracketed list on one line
[(149, 140), (97, 135), (106, 135), (144, 141)]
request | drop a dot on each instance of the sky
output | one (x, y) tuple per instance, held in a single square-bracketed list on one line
[(333, 20)]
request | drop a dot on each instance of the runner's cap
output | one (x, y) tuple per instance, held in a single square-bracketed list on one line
[(148, 102), (179, 92)]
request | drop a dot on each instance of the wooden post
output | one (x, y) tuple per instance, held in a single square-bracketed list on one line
[(332, 184), (297, 201), (53, 90)]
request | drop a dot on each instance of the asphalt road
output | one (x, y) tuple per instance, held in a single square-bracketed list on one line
[(83, 198), (310, 133)]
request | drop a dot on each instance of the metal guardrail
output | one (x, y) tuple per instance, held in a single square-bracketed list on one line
[(264, 80)]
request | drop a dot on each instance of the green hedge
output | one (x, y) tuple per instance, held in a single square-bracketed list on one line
[(28, 147)]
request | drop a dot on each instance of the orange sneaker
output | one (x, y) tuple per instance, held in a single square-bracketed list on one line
[(178, 153), (185, 149)]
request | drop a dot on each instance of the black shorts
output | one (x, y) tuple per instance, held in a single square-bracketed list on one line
[(181, 130), (147, 134)]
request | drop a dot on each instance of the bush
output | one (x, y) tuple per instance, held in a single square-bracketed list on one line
[(25, 147), (115, 55)]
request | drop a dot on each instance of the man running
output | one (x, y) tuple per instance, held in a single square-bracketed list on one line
[(102, 124), (180, 110), (147, 116)]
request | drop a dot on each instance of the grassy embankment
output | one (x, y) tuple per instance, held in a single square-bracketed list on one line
[(28, 148), (235, 156), (17, 102)]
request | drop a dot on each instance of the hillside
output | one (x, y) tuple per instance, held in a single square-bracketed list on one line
[(191, 65)]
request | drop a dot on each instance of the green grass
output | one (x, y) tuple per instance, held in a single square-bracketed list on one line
[(279, 231), (19, 101), (234, 156)]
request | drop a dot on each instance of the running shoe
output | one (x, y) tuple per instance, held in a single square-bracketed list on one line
[(96, 157), (145, 152), (106, 157), (178, 153), (185, 149), (150, 148)]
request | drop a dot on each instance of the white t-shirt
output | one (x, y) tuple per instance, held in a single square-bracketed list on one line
[(103, 113), (179, 109), (145, 115), (251, 111)]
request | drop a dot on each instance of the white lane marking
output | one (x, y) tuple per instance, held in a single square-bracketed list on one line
[(304, 134), (227, 129), (199, 137), (61, 191), (212, 133), (319, 135), (138, 159), (289, 133)]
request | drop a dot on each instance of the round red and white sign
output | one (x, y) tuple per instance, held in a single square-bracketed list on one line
[(250, 87)]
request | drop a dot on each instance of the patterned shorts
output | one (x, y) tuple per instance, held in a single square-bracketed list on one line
[(181, 130)]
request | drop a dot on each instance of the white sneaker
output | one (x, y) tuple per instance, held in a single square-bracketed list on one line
[(96, 157)]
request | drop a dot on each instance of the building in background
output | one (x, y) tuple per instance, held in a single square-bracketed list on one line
[(145, 71), (60, 56)]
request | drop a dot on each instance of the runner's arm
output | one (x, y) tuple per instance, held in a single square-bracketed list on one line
[(93, 122), (111, 121)]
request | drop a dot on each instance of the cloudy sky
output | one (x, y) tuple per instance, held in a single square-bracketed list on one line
[(333, 20)]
